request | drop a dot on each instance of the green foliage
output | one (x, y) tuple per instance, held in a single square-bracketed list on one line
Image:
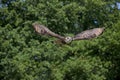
[(25, 55)]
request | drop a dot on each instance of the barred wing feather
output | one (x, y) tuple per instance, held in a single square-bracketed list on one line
[(45, 31), (88, 34)]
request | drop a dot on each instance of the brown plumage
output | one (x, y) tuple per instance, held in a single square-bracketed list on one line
[(42, 30), (85, 35), (89, 34)]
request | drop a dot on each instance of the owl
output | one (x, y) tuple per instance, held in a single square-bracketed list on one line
[(85, 35)]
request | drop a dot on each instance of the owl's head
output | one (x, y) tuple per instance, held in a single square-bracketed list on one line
[(68, 39)]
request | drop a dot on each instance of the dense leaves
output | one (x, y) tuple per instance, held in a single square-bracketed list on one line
[(25, 55)]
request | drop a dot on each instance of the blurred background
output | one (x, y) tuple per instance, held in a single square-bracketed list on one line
[(25, 55)]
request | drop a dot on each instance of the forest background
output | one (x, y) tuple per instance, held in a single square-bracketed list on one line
[(25, 55)]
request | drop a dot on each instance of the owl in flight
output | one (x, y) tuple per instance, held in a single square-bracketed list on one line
[(85, 35)]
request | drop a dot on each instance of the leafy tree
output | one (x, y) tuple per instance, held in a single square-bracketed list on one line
[(24, 55)]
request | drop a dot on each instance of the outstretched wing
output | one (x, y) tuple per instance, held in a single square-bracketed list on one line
[(88, 34), (45, 31)]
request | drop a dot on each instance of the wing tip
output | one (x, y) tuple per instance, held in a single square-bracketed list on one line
[(103, 28), (35, 23)]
